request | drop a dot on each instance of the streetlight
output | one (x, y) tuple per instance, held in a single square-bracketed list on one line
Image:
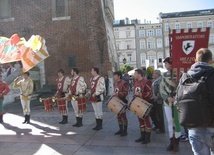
[(124, 60)]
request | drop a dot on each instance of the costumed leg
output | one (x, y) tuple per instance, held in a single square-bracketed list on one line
[(120, 123), (142, 130), (94, 105), (148, 130), (1, 111), (100, 115), (125, 124)]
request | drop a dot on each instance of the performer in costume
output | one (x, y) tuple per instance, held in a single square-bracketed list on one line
[(167, 90), (77, 89), (26, 89), (4, 90), (143, 89), (96, 96), (63, 83), (121, 91)]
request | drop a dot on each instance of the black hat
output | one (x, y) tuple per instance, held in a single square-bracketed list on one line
[(168, 59)]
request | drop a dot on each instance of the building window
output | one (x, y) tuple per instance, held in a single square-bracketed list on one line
[(150, 44), (160, 59), (60, 8), (142, 33), (5, 11), (167, 41), (128, 45), (143, 59), (210, 24), (151, 59), (166, 27), (189, 25), (177, 26), (116, 34), (118, 46), (159, 32), (159, 44), (128, 34), (129, 57), (142, 44), (199, 25), (150, 33), (211, 40)]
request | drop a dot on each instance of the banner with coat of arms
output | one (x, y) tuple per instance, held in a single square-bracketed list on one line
[(184, 45)]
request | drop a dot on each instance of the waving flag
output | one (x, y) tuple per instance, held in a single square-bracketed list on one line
[(9, 51), (30, 52)]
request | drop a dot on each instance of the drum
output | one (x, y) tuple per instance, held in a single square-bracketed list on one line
[(81, 101), (48, 104), (61, 103), (116, 105), (140, 107)]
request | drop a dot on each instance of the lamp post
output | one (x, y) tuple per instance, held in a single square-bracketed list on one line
[(124, 60)]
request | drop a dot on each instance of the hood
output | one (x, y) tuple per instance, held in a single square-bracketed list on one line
[(198, 69)]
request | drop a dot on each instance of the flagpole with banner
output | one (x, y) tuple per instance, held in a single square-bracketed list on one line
[(183, 45)]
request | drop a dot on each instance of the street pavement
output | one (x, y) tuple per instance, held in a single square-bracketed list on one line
[(45, 136)]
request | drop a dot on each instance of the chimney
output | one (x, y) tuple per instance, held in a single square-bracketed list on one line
[(127, 20)]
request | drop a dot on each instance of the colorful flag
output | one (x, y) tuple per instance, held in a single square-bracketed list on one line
[(30, 52)]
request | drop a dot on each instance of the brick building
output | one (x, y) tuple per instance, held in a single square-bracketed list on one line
[(78, 33)]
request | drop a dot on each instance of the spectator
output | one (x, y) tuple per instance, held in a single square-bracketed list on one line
[(10, 69), (107, 84), (202, 138)]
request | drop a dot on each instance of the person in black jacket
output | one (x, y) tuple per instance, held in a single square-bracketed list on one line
[(202, 139)]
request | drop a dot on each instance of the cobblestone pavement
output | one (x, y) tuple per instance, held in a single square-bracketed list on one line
[(45, 136)]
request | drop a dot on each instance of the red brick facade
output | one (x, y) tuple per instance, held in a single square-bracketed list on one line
[(83, 36)]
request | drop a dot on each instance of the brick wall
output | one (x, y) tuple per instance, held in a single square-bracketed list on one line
[(83, 36)]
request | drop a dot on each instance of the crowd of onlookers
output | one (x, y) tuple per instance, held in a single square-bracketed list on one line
[(7, 69)]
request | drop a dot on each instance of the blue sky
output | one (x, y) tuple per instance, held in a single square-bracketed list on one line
[(150, 9)]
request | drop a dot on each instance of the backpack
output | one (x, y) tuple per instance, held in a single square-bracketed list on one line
[(194, 102)]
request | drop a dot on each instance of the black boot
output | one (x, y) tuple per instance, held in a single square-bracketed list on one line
[(176, 145), (142, 137), (28, 119), (79, 122), (95, 128), (100, 126), (76, 122), (1, 119), (65, 120), (25, 121), (124, 133), (147, 138), (170, 147), (120, 130)]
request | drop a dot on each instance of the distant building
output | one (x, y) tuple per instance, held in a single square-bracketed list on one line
[(140, 44), (125, 37), (150, 51)]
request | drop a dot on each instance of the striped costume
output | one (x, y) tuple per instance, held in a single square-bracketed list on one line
[(166, 91)]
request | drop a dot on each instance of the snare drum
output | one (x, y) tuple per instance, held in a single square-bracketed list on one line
[(48, 104), (81, 101), (116, 105), (62, 107), (140, 107)]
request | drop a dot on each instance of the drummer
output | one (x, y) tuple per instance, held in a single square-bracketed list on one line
[(121, 91), (143, 89), (63, 83)]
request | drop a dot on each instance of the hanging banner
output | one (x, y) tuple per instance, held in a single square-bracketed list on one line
[(184, 45)]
